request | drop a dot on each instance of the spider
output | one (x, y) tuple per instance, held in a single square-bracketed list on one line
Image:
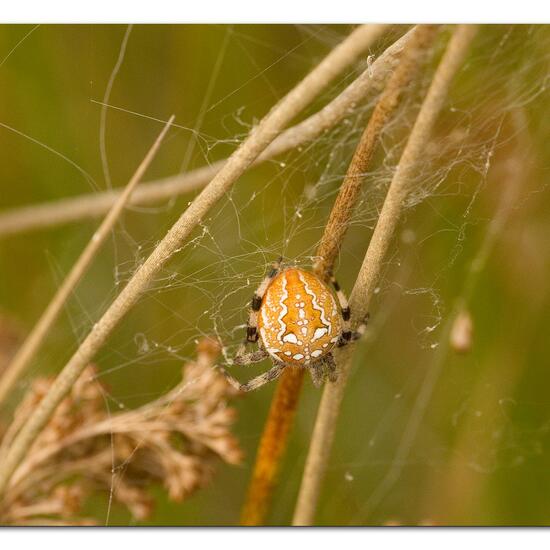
[(295, 320)]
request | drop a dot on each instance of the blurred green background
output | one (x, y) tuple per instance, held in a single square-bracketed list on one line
[(480, 451)]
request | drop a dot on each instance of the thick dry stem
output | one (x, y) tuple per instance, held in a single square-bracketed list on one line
[(277, 428), (62, 211), (329, 409), (260, 137), (32, 343)]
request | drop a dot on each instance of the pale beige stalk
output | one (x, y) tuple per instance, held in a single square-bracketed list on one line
[(271, 125), (329, 409), (32, 343), (51, 214)]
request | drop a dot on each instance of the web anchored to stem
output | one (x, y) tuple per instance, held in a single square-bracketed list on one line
[(285, 401), (261, 136)]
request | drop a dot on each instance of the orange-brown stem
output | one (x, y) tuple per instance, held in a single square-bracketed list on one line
[(272, 446)]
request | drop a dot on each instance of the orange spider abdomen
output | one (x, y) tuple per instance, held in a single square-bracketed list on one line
[(299, 321)]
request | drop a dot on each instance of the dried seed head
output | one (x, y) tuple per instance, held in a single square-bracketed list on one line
[(176, 440)]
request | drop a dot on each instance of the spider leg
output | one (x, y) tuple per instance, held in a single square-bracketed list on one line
[(344, 305), (249, 358), (317, 373), (347, 334), (331, 370), (352, 335), (273, 373), (361, 328), (252, 325)]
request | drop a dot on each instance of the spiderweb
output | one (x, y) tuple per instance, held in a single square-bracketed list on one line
[(218, 91)]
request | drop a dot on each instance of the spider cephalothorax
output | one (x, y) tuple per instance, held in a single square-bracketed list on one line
[(296, 320)]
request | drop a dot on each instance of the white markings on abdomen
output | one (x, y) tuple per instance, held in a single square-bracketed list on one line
[(290, 337), (315, 305), (284, 310)]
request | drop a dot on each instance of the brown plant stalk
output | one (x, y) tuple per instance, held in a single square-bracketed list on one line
[(283, 407), (34, 340), (260, 137), (329, 409), (54, 213)]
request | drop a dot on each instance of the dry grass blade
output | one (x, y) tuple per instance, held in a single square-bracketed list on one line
[(260, 137), (67, 210), (283, 406), (327, 416), (32, 343)]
